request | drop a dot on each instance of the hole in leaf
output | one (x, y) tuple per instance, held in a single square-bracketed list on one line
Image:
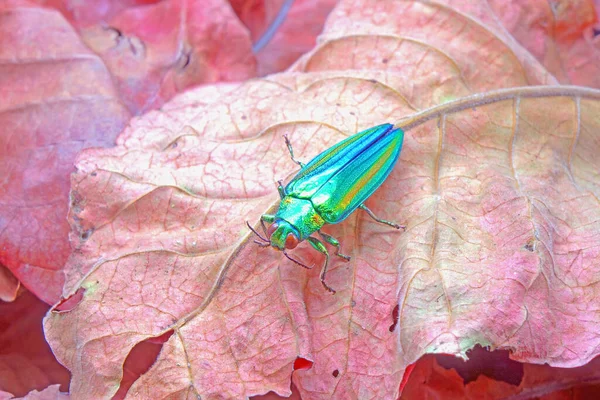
[(493, 364), (70, 302), (395, 314), (302, 363), (162, 338), (530, 245), (335, 373), (85, 235), (139, 360), (385, 60)]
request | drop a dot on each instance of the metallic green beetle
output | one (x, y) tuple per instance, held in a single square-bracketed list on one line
[(329, 188)]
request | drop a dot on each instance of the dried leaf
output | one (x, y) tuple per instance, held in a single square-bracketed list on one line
[(499, 191), (491, 196), (50, 393)]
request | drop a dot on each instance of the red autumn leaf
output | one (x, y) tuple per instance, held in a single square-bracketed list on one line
[(155, 49), (499, 192), (26, 361), (158, 50), (91, 12), (495, 379), (56, 99)]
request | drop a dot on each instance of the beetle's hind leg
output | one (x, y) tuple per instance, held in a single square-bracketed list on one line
[(320, 247), (334, 242), (291, 150), (382, 221)]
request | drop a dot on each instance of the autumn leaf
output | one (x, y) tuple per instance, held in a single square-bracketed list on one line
[(497, 184), (562, 35), (156, 49), (301, 23), (445, 377), (26, 361), (57, 98)]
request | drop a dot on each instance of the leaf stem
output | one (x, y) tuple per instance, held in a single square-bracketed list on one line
[(272, 29), (494, 96)]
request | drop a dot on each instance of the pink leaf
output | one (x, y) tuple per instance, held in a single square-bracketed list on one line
[(561, 35), (499, 191), (56, 99), (155, 49)]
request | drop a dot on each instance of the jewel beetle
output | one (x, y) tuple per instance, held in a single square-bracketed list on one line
[(329, 188)]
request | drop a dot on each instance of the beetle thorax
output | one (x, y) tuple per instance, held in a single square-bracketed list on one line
[(301, 214)]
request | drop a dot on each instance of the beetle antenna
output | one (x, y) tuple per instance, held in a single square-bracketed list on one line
[(262, 222), (295, 261), (256, 233)]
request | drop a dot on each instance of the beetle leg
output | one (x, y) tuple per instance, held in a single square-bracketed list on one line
[(289, 146), (321, 248), (280, 189), (334, 242), (383, 221), (269, 218)]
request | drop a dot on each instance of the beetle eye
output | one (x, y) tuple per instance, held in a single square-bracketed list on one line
[(291, 241), (272, 229)]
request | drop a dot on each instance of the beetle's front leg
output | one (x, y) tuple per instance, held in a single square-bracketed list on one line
[(268, 218), (382, 221), (321, 248), (289, 146), (334, 242)]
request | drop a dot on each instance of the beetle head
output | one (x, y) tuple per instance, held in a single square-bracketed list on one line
[(283, 235)]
